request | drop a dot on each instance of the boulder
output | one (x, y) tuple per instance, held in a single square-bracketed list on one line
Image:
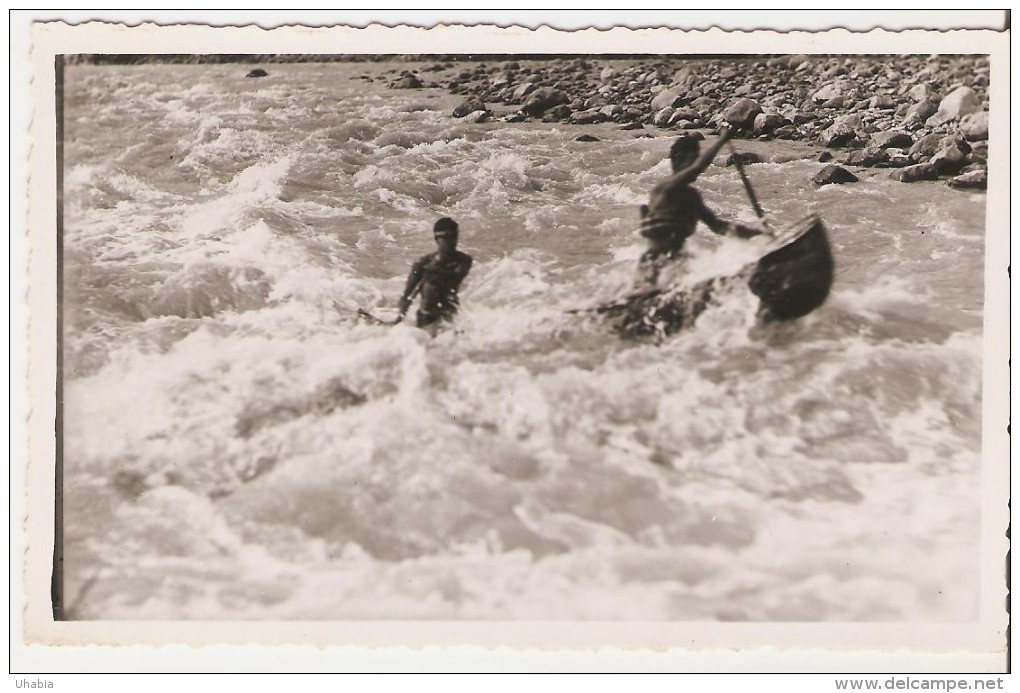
[(891, 138), (672, 97), (974, 126), (951, 158), (765, 123), (834, 175), (257, 72), (922, 110), (926, 147), (662, 116), (557, 113), (912, 174), (869, 156), (607, 74), (958, 103), (408, 81), (479, 116), (824, 156), (586, 138), (972, 180), (920, 92), (542, 99), (881, 101), (786, 132), (741, 113), (743, 159), (522, 90), (838, 134), (469, 106), (829, 91), (587, 117)]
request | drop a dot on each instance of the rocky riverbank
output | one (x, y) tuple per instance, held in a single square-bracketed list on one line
[(926, 117)]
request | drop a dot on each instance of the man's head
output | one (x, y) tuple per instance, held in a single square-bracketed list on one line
[(683, 152), (446, 232)]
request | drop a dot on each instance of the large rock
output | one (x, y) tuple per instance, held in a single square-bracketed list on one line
[(587, 117), (972, 180), (891, 138), (522, 90), (926, 147), (742, 159), (542, 99), (766, 123), (607, 74), (957, 104), (951, 158), (408, 81), (922, 110), (662, 116), (920, 92), (672, 97), (840, 133), (479, 116), (974, 126), (741, 113), (882, 101), (829, 91), (869, 156), (912, 174), (469, 106), (834, 175)]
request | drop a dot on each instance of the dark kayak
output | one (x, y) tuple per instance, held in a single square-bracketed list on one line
[(791, 278)]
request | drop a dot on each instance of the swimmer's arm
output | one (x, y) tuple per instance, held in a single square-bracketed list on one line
[(688, 175), (724, 227), (414, 279)]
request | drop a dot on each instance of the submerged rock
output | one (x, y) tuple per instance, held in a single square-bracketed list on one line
[(834, 175), (972, 180), (257, 72)]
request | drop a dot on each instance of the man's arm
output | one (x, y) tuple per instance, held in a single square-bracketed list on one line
[(414, 279), (688, 175)]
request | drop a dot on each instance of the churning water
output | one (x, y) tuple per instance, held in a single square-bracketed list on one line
[(238, 445)]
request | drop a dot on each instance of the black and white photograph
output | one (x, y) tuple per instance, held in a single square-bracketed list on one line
[(656, 335)]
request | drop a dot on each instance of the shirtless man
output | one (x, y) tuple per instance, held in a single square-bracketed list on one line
[(673, 212), (437, 276)]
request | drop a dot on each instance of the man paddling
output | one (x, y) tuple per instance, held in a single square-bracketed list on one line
[(437, 277), (675, 208)]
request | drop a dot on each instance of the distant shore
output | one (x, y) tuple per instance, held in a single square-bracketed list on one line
[(922, 117)]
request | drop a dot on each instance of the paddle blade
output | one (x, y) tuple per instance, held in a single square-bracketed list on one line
[(795, 278)]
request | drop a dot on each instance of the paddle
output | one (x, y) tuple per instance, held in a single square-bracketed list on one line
[(750, 191)]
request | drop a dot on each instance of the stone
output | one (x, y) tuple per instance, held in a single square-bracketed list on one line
[(834, 175), (586, 138), (972, 180), (557, 113), (829, 91), (765, 123), (477, 116), (667, 97), (920, 92), (922, 110), (958, 103), (522, 90), (881, 101), (741, 113), (408, 81), (543, 99), (926, 147), (824, 156), (587, 117), (950, 159), (607, 74), (974, 126), (786, 132), (257, 72), (867, 157), (838, 134), (917, 172), (662, 116), (891, 138), (742, 159), (469, 106)]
